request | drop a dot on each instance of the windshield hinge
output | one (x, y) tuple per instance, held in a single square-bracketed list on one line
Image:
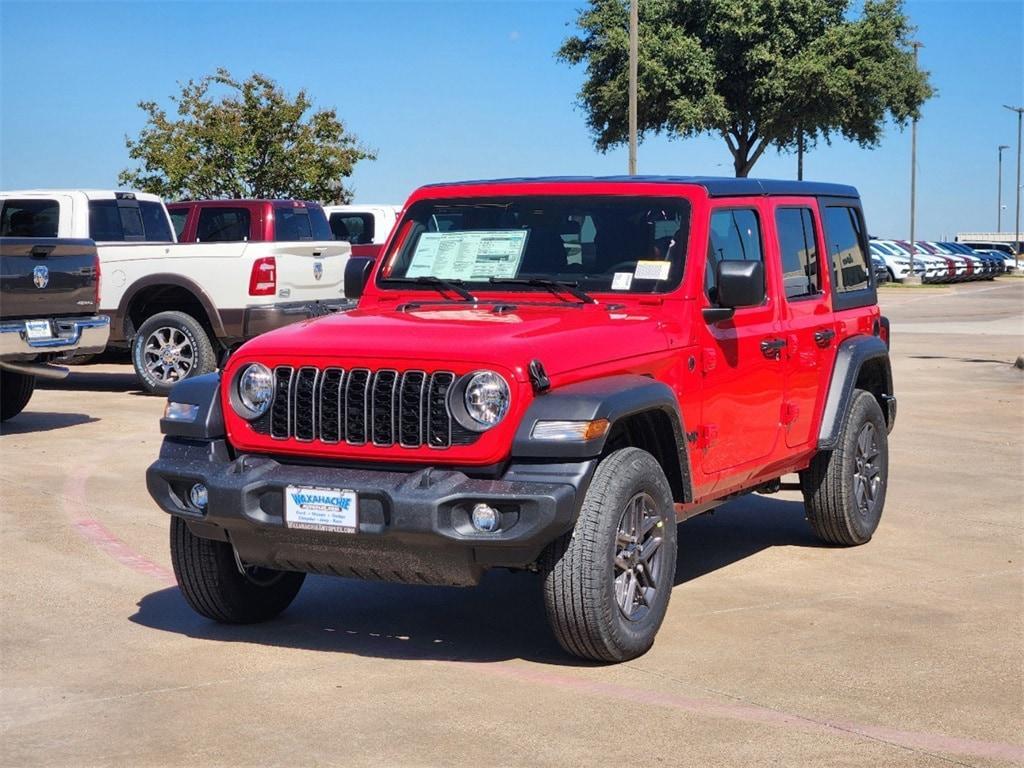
[(538, 377)]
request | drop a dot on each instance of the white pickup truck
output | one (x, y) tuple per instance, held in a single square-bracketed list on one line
[(177, 305)]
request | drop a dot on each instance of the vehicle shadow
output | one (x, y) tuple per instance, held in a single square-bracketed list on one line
[(503, 618), (43, 421), (81, 379)]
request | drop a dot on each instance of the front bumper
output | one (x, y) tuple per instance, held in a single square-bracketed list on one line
[(257, 320), (81, 335), (414, 526)]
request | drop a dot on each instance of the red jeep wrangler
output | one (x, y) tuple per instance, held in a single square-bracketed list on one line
[(543, 374)]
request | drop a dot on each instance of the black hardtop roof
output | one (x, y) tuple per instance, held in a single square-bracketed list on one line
[(716, 186)]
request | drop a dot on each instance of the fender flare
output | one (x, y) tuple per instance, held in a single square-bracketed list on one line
[(178, 281), (614, 398), (850, 358)]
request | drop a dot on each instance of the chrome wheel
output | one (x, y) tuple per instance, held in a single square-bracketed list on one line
[(867, 475), (168, 354), (638, 556)]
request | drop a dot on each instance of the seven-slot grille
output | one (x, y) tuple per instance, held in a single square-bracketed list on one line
[(358, 406)]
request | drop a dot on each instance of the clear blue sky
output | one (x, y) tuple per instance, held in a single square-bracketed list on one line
[(449, 91)]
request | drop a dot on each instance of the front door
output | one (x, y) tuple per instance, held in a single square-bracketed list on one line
[(742, 358)]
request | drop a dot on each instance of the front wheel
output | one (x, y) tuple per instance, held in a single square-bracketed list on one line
[(607, 583), (169, 347), (15, 391), (844, 489), (211, 582)]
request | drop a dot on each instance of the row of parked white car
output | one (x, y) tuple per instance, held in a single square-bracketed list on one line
[(938, 262)]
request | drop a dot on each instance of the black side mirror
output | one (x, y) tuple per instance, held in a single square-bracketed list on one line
[(357, 273), (739, 284)]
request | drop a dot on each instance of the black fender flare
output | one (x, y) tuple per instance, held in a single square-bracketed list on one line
[(614, 398), (204, 393), (851, 356)]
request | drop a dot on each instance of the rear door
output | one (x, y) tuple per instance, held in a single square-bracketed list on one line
[(806, 312)]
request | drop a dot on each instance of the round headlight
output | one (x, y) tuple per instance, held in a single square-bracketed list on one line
[(486, 398), (255, 390)]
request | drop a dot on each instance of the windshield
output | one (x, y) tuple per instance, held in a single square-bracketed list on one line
[(598, 243)]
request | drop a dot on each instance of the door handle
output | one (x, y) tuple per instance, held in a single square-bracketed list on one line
[(772, 347), (824, 337)]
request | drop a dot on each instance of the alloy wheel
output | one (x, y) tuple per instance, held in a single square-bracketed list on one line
[(867, 475), (638, 556), (168, 355)]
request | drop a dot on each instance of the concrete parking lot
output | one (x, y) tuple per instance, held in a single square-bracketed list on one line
[(776, 651)]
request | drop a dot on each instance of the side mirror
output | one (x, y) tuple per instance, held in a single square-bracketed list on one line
[(357, 273), (740, 284)]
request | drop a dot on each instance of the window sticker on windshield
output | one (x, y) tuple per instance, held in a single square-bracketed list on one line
[(622, 281), (652, 270), (470, 255)]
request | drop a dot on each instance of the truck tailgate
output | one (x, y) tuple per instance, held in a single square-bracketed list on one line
[(47, 277), (310, 270)]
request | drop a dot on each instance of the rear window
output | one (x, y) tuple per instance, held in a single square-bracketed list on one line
[(29, 218), (223, 225), (355, 228), (128, 220), (307, 222), (844, 229)]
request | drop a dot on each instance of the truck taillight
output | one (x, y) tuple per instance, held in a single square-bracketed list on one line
[(263, 280)]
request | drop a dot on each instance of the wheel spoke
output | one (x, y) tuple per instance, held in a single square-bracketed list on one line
[(649, 547)]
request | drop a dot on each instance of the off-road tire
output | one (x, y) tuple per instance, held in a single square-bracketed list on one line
[(828, 484), (204, 358), (15, 392), (579, 568), (211, 583)]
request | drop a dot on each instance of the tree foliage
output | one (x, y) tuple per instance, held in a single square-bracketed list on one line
[(242, 139), (757, 72)]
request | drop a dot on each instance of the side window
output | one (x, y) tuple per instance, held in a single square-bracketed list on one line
[(29, 218), (222, 225), (850, 269), (178, 219), (734, 235), (155, 222), (798, 247), (355, 228)]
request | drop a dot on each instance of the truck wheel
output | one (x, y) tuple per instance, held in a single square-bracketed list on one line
[(209, 578), (607, 582), (844, 489), (15, 392), (169, 347)]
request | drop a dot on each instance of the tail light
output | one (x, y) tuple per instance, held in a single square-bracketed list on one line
[(263, 279)]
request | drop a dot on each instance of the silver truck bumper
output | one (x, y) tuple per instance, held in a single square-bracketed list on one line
[(82, 335)]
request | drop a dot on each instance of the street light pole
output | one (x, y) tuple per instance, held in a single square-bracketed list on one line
[(1016, 225), (912, 277), (999, 196), (634, 45)]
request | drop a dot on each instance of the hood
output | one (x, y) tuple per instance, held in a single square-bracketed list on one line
[(562, 338)]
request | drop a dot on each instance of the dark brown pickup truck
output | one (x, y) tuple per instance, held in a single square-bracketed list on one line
[(49, 294)]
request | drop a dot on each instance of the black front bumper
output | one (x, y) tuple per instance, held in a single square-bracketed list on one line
[(414, 526)]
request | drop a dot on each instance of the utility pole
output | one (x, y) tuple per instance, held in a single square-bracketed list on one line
[(1016, 225), (912, 277), (634, 53), (999, 196)]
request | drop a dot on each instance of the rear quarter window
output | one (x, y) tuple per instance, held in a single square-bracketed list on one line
[(29, 218), (846, 242)]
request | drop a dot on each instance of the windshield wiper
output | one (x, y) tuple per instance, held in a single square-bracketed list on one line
[(442, 285), (555, 286)]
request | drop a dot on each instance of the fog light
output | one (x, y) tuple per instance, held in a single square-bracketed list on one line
[(198, 496), (486, 518)]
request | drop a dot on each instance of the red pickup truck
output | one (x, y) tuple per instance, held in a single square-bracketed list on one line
[(258, 221), (546, 375)]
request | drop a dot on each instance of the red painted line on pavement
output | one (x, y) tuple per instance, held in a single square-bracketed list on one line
[(752, 713)]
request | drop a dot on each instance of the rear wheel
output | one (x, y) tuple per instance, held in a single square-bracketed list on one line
[(15, 392), (170, 347), (211, 582), (844, 489), (607, 583)]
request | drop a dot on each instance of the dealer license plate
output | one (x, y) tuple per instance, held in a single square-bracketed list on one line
[(38, 329), (321, 509)]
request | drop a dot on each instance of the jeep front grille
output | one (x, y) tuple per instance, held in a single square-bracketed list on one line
[(359, 406)]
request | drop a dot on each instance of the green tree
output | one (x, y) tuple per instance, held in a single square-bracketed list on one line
[(757, 72), (242, 139)]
